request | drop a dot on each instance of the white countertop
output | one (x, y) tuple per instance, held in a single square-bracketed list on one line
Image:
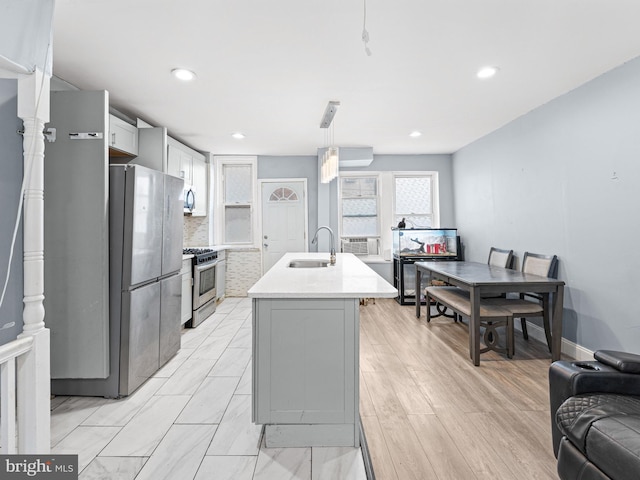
[(348, 278)]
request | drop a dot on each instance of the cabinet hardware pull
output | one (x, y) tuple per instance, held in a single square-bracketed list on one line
[(85, 135)]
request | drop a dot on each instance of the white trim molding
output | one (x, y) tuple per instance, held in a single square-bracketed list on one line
[(568, 348), (220, 161)]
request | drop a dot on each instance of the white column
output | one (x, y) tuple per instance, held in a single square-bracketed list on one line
[(34, 374)]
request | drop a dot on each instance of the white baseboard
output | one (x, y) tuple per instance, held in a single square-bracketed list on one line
[(569, 348)]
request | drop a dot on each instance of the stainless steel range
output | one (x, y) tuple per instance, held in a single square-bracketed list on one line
[(205, 261)]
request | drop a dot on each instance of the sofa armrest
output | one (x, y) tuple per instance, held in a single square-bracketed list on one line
[(622, 361), (573, 378)]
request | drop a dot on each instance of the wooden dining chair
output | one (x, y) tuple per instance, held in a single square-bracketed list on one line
[(530, 304)]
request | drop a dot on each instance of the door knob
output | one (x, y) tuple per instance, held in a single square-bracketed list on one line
[(265, 244)]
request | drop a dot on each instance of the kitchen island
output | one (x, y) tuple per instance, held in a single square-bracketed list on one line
[(305, 349)]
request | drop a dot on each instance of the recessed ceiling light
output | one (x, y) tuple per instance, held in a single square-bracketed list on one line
[(487, 72), (415, 134), (183, 74), (238, 135)]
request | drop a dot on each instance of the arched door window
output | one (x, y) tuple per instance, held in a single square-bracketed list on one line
[(283, 194)]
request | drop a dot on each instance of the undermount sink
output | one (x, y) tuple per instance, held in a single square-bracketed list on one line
[(308, 263)]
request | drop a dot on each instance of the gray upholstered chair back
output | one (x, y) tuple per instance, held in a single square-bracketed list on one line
[(500, 258), (543, 265)]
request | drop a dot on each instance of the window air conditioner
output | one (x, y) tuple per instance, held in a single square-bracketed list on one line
[(360, 246)]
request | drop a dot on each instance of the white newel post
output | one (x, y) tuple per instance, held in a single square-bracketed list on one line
[(34, 389)]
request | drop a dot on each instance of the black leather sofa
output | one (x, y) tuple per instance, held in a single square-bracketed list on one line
[(595, 416)]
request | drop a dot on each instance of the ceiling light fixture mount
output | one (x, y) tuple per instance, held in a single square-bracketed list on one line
[(329, 113), (183, 74)]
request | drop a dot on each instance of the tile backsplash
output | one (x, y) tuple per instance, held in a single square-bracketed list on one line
[(244, 268), (196, 231)]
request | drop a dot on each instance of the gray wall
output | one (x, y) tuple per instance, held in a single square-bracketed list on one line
[(565, 179), (10, 182), (307, 167)]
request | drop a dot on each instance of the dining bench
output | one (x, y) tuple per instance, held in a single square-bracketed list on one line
[(491, 316)]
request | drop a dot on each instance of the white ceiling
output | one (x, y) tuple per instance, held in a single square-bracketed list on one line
[(268, 68)]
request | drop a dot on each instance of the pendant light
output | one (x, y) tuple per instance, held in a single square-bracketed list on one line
[(330, 158)]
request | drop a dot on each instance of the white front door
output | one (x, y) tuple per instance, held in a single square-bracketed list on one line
[(284, 222)]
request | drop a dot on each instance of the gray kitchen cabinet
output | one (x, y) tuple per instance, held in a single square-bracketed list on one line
[(152, 149), (305, 371), (76, 235), (123, 137)]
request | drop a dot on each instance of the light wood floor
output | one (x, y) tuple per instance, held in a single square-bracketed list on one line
[(428, 413)]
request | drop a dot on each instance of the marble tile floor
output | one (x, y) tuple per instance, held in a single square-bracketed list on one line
[(192, 420)]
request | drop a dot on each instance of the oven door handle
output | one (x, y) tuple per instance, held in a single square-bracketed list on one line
[(206, 266)]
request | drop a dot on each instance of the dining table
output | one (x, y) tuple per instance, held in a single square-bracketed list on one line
[(481, 279)]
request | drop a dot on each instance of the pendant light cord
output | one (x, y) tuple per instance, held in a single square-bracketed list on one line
[(365, 34)]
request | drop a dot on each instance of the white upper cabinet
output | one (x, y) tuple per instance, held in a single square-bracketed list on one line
[(186, 167), (199, 186), (174, 156), (161, 152), (123, 137), (190, 165), (179, 160)]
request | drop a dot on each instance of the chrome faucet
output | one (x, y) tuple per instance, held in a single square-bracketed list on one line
[(332, 258)]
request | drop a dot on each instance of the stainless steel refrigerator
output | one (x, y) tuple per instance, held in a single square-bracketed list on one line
[(145, 224), (145, 288)]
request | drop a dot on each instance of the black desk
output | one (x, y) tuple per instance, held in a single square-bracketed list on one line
[(479, 279)]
